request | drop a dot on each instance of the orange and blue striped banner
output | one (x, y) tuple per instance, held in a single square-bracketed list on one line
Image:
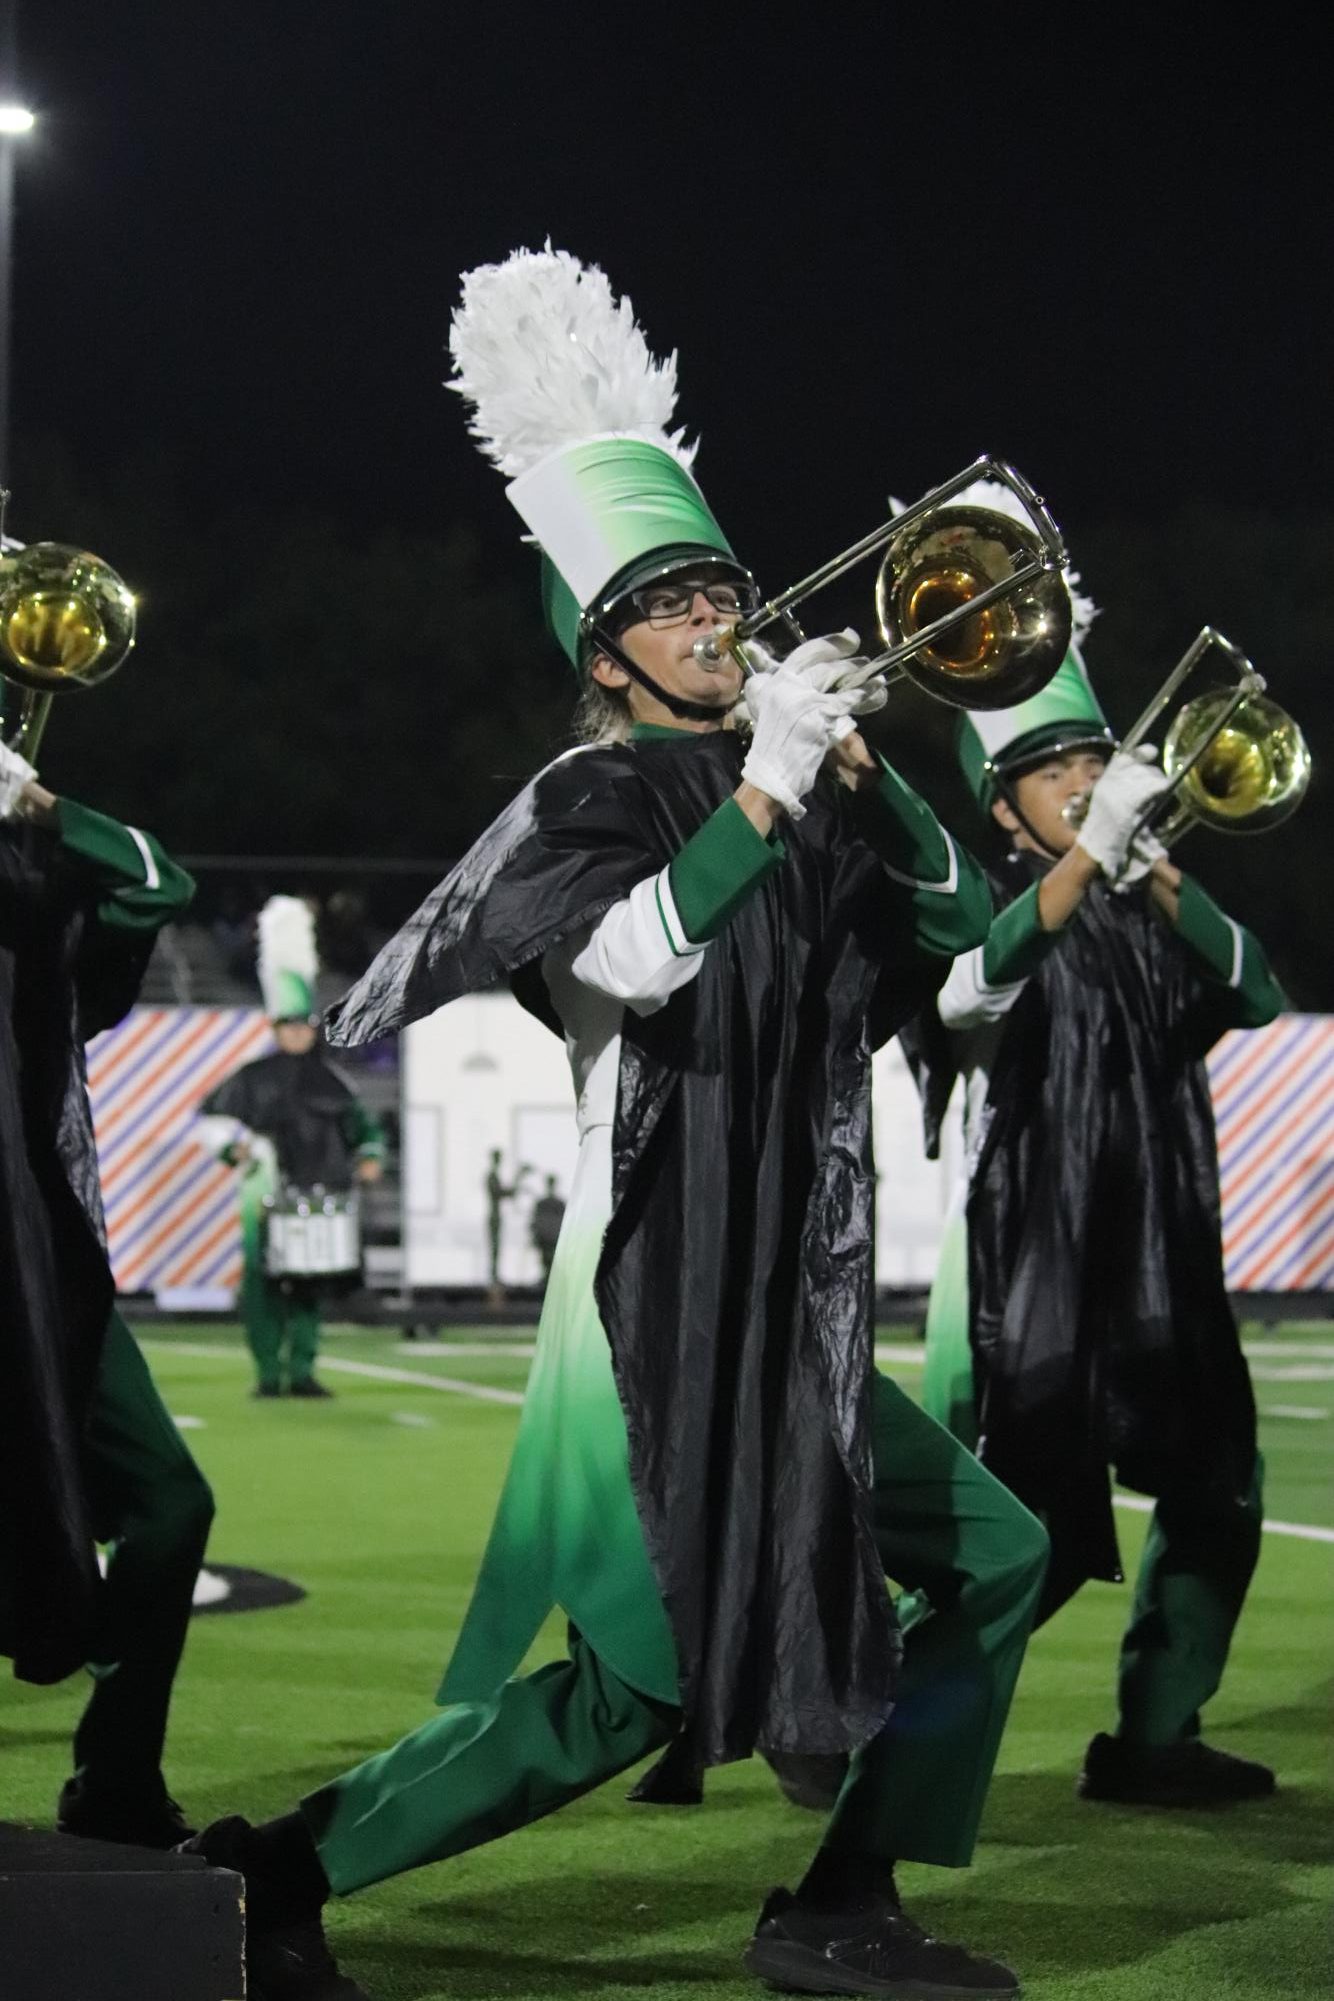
[(1273, 1092), (171, 1207), (173, 1219)]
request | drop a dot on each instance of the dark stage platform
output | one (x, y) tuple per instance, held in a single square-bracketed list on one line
[(94, 1921)]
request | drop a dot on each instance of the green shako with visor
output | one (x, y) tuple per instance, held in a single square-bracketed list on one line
[(572, 407), (996, 744)]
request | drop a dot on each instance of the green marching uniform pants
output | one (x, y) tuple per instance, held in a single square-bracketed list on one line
[(970, 1555), (1198, 1560), (282, 1327), (1197, 1564), (153, 1508)]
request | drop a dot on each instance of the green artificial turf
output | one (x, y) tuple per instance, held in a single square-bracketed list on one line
[(379, 1503)]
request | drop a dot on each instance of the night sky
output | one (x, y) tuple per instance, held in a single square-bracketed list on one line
[(880, 246)]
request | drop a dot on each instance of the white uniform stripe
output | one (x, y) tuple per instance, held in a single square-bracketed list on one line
[(671, 917), (152, 879), (1238, 953), (968, 998), (945, 888)]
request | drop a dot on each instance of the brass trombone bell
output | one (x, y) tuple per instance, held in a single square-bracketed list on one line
[(1237, 762), (971, 605), (1251, 776), (932, 577), (66, 621)]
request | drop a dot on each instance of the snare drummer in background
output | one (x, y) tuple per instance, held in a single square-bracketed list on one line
[(292, 1124)]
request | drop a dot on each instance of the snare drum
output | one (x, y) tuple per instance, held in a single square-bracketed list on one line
[(310, 1233)]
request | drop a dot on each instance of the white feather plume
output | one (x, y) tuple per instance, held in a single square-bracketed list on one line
[(547, 355), (1003, 499), (286, 943)]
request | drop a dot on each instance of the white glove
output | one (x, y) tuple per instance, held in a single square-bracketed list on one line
[(793, 727), (15, 773), (1145, 850), (831, 665), (1127, 788), (824, 661)]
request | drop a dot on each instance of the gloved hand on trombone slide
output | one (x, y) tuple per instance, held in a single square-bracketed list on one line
[(793, 728), (16, 774), (830, 664), (1131, 784), (1144, 851)]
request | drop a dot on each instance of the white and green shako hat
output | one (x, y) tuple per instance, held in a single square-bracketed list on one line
[(574, 409), (288, 964), (996, 744), (1064, 715)]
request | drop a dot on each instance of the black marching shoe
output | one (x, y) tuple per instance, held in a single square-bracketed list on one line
[(874, 1950), (1173, 1775), (149, 1818), (294, 1963), (266, 1390), (287, 1954), (308, 1387)]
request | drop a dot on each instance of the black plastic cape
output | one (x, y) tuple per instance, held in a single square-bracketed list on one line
[(63, 976), (304, 1106), (1100, 1325), (735, 1283)]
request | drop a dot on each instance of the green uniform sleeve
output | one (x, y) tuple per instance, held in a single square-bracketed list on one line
[(717, 869), (1229, 955), (1016, 943), (140, 887), (951, 901)]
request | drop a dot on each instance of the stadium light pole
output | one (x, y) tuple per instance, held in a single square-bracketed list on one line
[(15, 122)]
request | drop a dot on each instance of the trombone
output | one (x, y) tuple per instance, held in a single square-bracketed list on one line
[(971, 605), (1237, 761), (66, 621)]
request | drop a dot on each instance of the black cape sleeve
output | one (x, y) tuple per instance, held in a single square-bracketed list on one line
[(575, 841)]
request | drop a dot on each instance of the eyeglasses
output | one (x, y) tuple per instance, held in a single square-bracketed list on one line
[(672, 603)]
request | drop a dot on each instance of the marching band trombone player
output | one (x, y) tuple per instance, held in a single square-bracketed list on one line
[(88, 1452), (710, 1477), (1079, 1318)]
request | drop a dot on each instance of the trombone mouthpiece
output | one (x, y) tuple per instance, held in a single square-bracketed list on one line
[(708, 651)]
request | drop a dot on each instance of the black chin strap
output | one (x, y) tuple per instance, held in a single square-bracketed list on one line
[(692, 712), (1008, 795)]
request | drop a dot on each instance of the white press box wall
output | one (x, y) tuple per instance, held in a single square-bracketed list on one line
[(481, 1074)]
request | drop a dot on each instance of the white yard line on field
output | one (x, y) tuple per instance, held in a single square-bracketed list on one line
[(526, 1348), (417, 1378), (910, 1353), (1305, 1531), (1288, 1351), (420, 1380), (483, 1393)]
